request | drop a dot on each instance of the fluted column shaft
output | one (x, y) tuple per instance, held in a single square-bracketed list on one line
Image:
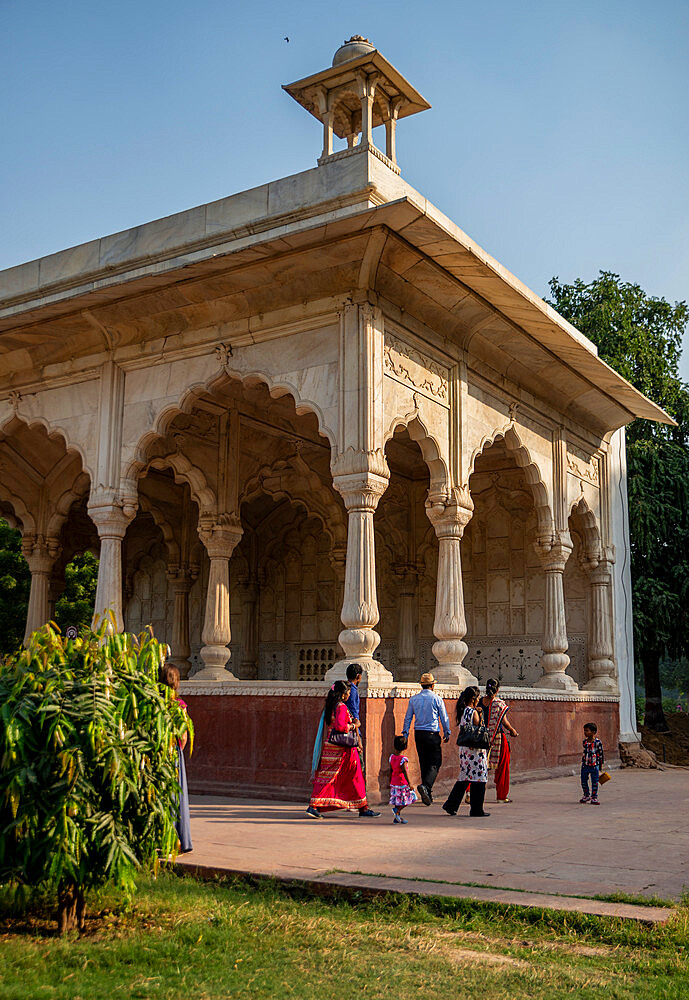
[(407, 661), (40, 553), (111, 520), (249, 630), (220, 541), (180, 648), (361, 489), (360, 600), (450, 516), (554, 551), (601, 664)]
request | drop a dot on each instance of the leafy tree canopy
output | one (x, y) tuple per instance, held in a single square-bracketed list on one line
[(15, 583), (638, 335), (641, 337), (75, 605)]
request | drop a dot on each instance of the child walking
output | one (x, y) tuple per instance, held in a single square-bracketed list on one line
[(401, 792), (591, 764)]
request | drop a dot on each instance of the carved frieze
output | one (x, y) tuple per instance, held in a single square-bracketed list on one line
[(582, 466), (410, 367)]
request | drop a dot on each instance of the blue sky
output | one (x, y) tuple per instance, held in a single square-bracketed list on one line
[(557, 139)]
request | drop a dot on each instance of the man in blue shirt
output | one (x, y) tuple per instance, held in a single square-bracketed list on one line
[(429, 713)]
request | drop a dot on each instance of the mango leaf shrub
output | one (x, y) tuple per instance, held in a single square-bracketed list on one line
[(88, 764)]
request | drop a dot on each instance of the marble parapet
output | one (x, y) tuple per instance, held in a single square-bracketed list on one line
[(316, 689)]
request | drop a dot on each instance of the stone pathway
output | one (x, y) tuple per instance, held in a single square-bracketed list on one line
[(544, 844)]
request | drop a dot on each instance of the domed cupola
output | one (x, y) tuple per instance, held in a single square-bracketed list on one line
[(358, 92), (354, 47)]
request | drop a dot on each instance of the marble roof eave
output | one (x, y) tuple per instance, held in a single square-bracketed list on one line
[(413, 219)]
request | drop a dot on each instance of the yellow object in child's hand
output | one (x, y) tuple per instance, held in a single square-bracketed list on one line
[(605, 776)]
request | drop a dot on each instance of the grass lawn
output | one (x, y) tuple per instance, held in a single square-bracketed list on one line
[(189, 939)]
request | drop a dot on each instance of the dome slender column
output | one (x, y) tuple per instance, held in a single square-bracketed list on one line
[(449, 517), (554, 552), (601, 664), (361, 492), (40, 553), (220, 541), (180, 650), (111, 519)]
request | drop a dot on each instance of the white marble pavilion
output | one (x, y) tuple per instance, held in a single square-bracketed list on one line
[(315, 423)]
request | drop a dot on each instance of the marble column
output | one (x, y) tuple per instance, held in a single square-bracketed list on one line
[(361, 491), (56, 586), (601, 665), (449, 517), (40, 553), (180, 579), (111, 521), (554, 551), (407, 652), (220, 541), (249, 629)]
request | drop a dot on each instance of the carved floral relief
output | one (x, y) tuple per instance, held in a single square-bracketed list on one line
[(409, 366)]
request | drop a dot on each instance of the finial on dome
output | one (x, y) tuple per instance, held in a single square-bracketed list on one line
[(352, 48)]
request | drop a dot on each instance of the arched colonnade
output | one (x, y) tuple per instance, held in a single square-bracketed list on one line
[(241, 526)]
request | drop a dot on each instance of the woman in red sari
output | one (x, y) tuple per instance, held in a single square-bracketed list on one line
[(495, 719), (339, 781)]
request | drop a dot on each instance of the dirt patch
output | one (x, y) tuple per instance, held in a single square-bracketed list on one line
[(672, 747), (464, 956)]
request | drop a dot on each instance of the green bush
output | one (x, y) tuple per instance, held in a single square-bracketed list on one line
[(88, 764)]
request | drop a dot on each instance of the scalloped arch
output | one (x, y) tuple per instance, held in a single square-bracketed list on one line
[(165, 527), (303, 487), (277, 388), (430, 449), (184, 472), (53, 432), (583, 517), (532, 473), (21, 512), (78, 490)]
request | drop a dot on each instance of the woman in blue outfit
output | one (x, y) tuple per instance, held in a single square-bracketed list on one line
[(169, 676)]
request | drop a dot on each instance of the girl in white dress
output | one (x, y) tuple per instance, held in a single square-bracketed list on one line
[(473, 764)]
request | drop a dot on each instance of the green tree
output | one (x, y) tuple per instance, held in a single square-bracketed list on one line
[(88, 764), (641, 337), (15, 583), (77, 601)]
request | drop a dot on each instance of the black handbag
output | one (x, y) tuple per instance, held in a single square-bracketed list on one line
[(344, 739), (474, 737)]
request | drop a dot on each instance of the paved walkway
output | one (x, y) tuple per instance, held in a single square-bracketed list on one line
[(636, 842)]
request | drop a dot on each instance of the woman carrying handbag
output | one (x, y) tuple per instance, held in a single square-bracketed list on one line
[(338, 781), (473, 742)]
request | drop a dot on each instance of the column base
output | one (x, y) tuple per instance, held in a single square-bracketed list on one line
[(214, 658), (375, 674), (214, 674), (603, 683), (407, 670), (557, 681), (454, 674)]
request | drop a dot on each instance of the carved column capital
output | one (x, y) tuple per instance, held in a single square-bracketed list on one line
[(554, 550), (353, 461), (110, 513), (450, 514), (409, 575), (180, 578), (40, 552), (361, 478), (221, 537), (600, 570)]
